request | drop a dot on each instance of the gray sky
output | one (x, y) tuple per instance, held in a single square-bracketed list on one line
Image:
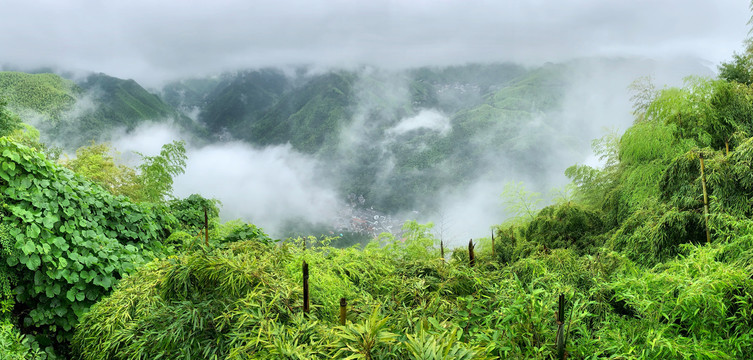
[(151, 41)]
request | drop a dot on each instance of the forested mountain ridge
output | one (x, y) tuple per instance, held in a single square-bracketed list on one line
[(75, 113), (397, 138), (46, 94)]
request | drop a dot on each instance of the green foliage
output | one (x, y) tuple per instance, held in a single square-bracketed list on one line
[(70, 240), (249, 232), (8, 121), (566, 225), (645, 142), (29, 136), (628, 251), (520, 203), (156, 173), (436, 343), (740, 69), (97, 163), (152, 183), (693, 297), (15, 346), (243, 300), (190, 211), (366, 340)]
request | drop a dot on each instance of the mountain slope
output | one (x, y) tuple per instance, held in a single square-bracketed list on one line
[(74, 114), (241, 99), (45, 94)]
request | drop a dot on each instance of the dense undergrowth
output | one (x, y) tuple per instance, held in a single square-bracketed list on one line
[(244, 300)]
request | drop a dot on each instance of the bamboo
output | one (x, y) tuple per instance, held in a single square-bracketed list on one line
[(471, 254), (441, 249), (512, 235), (343, 310), (494, 251), (305, 287), (705, 199), (206, 228), (561, 327)]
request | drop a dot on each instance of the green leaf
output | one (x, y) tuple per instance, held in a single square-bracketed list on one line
[(33, 262), (71, 294), (29, 247), (60, 243), (11, 261), (32, 230), (49, 221)]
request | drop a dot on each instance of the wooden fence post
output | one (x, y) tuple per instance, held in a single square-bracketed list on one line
[(705, 199), (206, 227), (494, 251), (343, 310), (305, 287), (561, 328), (441, 249), (471, 254)]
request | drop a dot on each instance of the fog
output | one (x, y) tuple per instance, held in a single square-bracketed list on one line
[(597, 102), (426, 119), (265, 186), (157, 41)]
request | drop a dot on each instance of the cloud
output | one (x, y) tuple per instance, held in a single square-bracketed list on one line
[(268, 187), (154, 41), (426, 119)]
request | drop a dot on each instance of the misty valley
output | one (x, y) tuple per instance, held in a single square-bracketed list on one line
[(311, 213)]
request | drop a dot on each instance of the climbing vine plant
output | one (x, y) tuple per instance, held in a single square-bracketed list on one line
[(65, 241)]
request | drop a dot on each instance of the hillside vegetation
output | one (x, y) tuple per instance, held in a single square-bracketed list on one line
[(649, 256), (46, 94), (628, 250)]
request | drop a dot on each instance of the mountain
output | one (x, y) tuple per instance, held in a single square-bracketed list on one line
[(398, 139), (46, 95), (71, 114)]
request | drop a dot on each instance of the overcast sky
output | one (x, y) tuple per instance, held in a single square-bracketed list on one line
[(151, 40)]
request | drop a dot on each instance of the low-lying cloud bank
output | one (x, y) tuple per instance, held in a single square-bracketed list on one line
[(268, 187)]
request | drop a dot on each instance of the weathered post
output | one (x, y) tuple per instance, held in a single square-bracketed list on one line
[(471, 254), (561, 328), (343, 310), (705, 198), (494, 251), (305, 287), (441, 249), (206, 227)]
